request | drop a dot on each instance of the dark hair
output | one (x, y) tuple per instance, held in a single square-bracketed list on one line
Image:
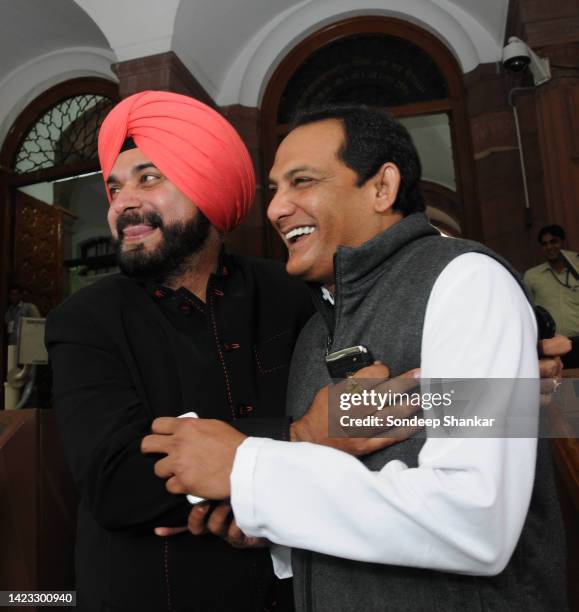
[(372, 137), (554, 230)]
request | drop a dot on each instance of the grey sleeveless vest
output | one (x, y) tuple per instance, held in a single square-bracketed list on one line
[(382, 289)]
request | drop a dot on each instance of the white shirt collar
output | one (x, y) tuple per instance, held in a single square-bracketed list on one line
[(328, 296)]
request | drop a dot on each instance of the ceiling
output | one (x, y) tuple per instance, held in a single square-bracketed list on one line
[(230, 46), (31, 28)]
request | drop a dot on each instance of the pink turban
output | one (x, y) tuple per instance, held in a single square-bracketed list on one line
[(191, 144)]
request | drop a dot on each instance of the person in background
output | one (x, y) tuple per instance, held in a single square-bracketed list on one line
[(17, 308), (554, 285)]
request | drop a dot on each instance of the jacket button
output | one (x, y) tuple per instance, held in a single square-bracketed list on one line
[(230, 346), (243, 410), (185, 308)]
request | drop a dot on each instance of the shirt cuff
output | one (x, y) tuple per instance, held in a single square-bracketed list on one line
[(242, 483), (281, 557)]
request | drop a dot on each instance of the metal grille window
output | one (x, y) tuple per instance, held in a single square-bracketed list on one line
[(64, 135), (372, 69)]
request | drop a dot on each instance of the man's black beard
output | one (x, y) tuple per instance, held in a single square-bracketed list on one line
[(171, 258)]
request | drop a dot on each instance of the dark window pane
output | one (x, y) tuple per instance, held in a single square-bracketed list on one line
[(372, 69)]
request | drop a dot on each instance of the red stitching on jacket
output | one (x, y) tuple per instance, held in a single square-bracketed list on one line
[(167, 583), (198, 306), (221, 358)]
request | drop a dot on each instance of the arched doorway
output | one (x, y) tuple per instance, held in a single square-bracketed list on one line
[(395, 65), (51, 193)]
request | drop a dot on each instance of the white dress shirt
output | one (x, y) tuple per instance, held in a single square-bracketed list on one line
[(463, 508)]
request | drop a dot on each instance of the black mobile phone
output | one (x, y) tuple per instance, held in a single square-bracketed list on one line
[(345, 362)]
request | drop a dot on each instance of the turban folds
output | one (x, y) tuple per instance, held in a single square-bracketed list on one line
[(191, 144)]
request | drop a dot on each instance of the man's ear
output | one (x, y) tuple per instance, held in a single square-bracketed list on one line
[(386, 183)]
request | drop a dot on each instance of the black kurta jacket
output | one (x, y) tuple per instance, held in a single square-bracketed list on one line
[(122, 356)]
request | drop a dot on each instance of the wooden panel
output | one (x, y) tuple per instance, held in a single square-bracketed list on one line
[(552, 32), (18, 460), (572, 112), (493, 132), (558, 138), (543, 23), (38, 250), (485, 86), (564, 59), (38, 509), (527, 112), (56, 508), (538, 10)]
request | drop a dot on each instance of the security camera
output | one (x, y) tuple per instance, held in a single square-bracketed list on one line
[(518, 56)]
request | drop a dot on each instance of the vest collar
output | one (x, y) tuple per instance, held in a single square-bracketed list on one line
[(354, 264)]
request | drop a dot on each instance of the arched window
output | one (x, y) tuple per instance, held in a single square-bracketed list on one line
[(54, 193), (66, 134), (373, 69)]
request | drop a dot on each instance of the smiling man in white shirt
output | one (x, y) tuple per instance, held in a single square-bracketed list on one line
[(413, 526)]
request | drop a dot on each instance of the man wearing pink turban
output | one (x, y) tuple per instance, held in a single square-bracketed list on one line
[(192, 145), (185, 327)]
